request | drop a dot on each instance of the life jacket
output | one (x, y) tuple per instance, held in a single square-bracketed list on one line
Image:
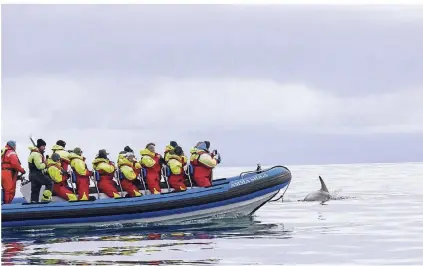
[(78, 165), (101, 165), (64, 156), (54, 170), (176, 164), (156, 168), (128, 169), (31, 165), (5, 161)]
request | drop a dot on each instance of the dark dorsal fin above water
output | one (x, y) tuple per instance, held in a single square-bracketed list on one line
[(323, 188)]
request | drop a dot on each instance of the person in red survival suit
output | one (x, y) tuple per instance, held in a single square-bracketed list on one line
[(203, 163), (152, 162), (176, 164), (81, 172), (106, 169), (10, 166)]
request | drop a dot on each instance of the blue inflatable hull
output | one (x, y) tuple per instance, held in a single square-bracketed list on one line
[(234, 196)]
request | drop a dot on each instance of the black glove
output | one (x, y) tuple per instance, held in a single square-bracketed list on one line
[(64, 172)]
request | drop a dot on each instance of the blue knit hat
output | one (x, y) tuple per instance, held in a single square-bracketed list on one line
[(11, 144), (202, 146)]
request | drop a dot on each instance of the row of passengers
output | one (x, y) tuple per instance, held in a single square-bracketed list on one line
[(202, 161), (55, 166)]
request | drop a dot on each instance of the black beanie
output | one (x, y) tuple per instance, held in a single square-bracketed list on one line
[(40, 143), (128, 149), (173, 144), (61, 143)]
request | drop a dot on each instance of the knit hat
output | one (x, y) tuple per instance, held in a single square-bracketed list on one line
[(103, 153), (55, 157), (173, 144), (128, 149), (77, 150), (40, 143), (61, 143), (11, 144), (202, 146)]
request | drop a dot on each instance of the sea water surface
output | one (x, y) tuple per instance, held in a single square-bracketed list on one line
[(376, 218)]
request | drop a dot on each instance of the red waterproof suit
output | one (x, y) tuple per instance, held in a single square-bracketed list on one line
[(10, 166)]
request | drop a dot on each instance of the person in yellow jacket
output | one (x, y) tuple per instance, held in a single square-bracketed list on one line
[(56, 172), (130, 169), (176, 164), (106, 170), (203, 163), (81, 172), (37, 172), (152, 163)]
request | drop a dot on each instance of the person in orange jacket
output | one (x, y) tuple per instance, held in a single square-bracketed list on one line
[(152, 162), (106, 169), (176, 164), (203, 163), (10, 167), (81, 172)]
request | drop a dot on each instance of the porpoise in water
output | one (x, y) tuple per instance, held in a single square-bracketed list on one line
[(321, 195)]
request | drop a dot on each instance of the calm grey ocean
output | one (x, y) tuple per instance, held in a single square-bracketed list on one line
[(376, 218)]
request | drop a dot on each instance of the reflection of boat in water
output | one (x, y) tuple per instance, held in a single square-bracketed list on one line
[(235, 196)]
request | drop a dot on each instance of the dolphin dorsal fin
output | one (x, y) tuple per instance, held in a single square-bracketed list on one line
[(323, 188)]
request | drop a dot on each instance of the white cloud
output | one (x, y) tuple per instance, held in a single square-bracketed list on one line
[(107, 113)]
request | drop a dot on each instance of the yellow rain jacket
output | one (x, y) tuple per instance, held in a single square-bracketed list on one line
[(36, 158)]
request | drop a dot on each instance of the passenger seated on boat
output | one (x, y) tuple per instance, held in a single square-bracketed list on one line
[(177, 175), (203, 163), (37, 173), (106, 170), (57, 173), (81, 173), (129, 170), (152, 163)]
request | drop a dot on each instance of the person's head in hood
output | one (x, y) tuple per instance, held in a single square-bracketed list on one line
[(173, 144)]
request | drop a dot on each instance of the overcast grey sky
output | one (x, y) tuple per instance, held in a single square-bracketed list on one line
[(270, 84)]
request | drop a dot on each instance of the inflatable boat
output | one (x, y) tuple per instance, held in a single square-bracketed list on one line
[(235, 196)]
